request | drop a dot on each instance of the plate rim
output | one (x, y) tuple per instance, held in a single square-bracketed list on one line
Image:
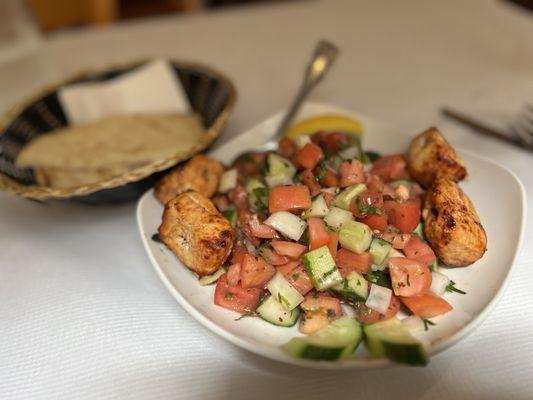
[(353, 363)]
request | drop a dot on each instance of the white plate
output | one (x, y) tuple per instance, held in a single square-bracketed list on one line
[(496, 192)]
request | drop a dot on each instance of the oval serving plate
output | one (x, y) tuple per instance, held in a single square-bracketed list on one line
[(502, 213)]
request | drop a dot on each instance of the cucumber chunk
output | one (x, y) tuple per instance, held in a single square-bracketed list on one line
[(257, 194), (391, 339), (354, 287), (272, 311), (336, 341), (319, 208), (283, 292), (337, 217), (345, 197), (355, 236), (379, 249), (405, 182), (321, 268)]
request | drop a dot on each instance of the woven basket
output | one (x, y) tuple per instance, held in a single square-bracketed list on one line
[(211, 95)]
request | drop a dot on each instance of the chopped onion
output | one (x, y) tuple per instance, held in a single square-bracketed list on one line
[(379, 298), (302, 140), (337, 217), (278, 180), (228, 181), (413, 324), (332, 190), (349, 152), (438, 283), (287, 224), (209, 279), (382, 267)]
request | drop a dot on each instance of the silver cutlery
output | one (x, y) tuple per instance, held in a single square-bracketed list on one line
[(323, 58)]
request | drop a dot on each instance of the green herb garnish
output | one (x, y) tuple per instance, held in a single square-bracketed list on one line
[(248, 313), (451, 288), (371, 277), (295, 276), (428, 323), (229, 296), (283, 299)]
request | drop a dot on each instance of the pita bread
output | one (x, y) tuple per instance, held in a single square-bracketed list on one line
[(92, 152)]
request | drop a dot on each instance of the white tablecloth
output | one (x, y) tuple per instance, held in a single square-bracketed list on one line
[(83, 315)]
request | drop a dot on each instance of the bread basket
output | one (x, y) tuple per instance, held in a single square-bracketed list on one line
[(211, 94)]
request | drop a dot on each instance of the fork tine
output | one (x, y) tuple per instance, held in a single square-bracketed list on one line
[(521, 132)]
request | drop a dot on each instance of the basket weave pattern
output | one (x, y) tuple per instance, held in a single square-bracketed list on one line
[(211, 95)]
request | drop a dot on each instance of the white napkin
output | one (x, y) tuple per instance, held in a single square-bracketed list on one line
[(151, 88)]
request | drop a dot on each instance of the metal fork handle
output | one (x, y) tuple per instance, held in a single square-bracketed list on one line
[(323, 58)]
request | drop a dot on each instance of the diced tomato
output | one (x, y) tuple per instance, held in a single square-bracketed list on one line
[(318, 235), (404, 216), (289, 198), (351, 173), (285, 269), (330, 179), (287, 147), (320, 301), (260, 230), (237, 257), (234, 297), (375, 221), (272, 257), (309, 180), (368, 201), (333, 243), (328, 197), (427, 305), (255, 272), (290, 249), (409, 277), (234, 274), (348, 261), (391, 167), (366, 315), (392, 235), (248, 164), (417, 249), (333, 140), (299, 279), (309, 156)]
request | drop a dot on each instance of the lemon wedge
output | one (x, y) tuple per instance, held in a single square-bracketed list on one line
[(328, 122)]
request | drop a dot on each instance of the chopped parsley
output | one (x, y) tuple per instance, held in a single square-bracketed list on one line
[(261, 194), (295, 276), (248, 313), (229, 296), (283, 299), (451, 288), (328, 273), (314, 295), (367, 210), (322, 168), (371, 277), (428, 323)]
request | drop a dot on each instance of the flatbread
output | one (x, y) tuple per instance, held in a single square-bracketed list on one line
[(120, 140), (96, 151)]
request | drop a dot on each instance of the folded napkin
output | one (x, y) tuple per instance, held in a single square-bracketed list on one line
[(151, 88)]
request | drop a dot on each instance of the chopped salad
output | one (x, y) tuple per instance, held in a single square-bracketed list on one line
[(332, 238)]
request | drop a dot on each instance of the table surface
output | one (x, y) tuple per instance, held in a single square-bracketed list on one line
[(84, 315)]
